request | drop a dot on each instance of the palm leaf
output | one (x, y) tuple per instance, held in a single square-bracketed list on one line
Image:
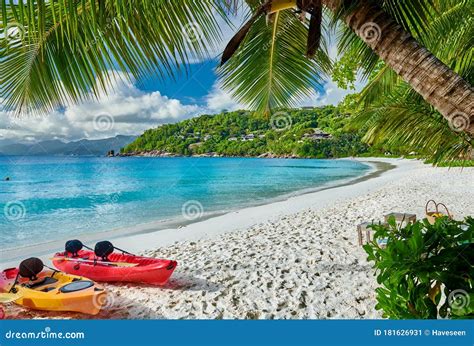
[(67, 47), (270, 69), (395, 115), (403, 120)]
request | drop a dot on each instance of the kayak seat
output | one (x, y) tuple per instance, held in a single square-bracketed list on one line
[(46, 281), (76, 286)]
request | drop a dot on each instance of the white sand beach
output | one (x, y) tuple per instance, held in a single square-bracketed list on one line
[(293, 259)]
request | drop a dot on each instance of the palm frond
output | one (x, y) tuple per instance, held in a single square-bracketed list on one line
[(61, 51), (270, 69), (455, 23), (402, 120), (381, 83), (395, 115)]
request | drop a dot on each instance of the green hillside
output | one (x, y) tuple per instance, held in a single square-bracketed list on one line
[(314, 132)]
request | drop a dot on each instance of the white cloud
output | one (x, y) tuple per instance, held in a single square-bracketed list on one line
[(218, 100), (126, 110), (332, 94)]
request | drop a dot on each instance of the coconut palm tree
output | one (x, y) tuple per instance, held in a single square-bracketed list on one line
[(395, 115), (54, 51), (385, 27), (272, 7), (436, 82)]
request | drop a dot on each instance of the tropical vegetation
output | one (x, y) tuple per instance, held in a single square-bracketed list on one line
[(317, 132), (425, 270), (393, 114), (415, 54), (270, 51)]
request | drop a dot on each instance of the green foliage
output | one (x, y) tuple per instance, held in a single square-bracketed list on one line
[(270, 69), (54, 53), (455, 163), (426, 271), (401, 123), (393, 115), (285, 133), (344, 72), (344, 145)]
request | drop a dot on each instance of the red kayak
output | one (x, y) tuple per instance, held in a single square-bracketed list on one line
[(117, 267)]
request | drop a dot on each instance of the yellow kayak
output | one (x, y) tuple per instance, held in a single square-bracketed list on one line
[(8, 297), (52, 290)]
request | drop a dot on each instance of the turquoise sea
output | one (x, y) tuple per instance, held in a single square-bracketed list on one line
[(52, 198)]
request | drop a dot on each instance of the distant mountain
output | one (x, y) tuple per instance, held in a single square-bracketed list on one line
[(84, 147)]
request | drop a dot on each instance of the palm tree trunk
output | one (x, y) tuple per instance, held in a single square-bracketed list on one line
[(441, 87)]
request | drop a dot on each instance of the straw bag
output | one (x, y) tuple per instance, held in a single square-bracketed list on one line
[(433, 215)]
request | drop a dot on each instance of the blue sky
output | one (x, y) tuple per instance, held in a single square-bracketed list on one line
[(192, 87)]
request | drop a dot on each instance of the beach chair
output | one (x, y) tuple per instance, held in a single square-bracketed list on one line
[(364, 229), (401, 218)]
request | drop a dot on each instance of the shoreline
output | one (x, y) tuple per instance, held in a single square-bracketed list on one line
[(175, 229)]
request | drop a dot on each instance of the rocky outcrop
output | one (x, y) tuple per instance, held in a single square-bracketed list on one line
[(275, 156), (151, 153), (160, 153)]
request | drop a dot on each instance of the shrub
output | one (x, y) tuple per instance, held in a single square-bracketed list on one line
[(425, 271)]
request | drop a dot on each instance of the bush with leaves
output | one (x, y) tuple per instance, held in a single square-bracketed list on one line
[(284, 134), (425, 271)]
